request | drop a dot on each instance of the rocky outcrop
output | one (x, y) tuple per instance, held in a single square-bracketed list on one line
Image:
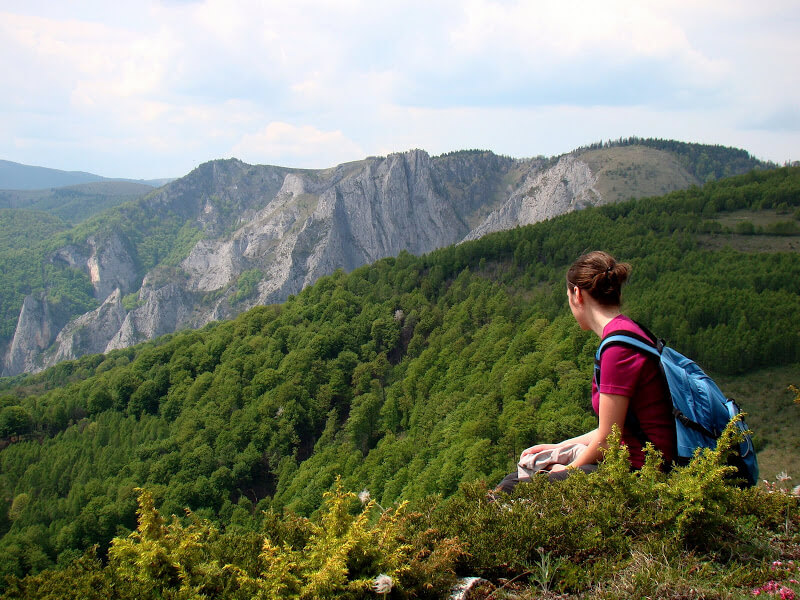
[(108, 260), (162, 310), (88, 333), (111, 265), (568, 186), (313, 227), (37, 327), (286, 228)]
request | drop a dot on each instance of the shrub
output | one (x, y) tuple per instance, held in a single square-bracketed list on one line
[(612, 534)]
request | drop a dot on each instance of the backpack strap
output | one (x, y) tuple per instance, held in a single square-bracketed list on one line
[(687, 422)]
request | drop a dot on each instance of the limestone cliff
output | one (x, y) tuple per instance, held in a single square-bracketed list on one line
[(567, 186), (266, 232), (107, 259), (88, 333), (37, 327)]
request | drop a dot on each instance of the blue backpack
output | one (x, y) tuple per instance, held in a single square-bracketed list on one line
[(700, 408)]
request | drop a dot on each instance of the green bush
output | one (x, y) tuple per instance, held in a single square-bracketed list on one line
[(611, 534), (590, 527)]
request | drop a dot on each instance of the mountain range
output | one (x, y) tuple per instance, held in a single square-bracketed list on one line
[(229, 236), (16, 176)]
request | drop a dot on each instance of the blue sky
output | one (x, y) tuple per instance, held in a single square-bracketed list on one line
[(152, 89)]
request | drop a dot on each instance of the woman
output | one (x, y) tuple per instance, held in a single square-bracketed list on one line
[(631, 392)]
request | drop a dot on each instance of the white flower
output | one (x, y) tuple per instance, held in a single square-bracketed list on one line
[(382, 584), (796, 490), (782, 476), (364, 496)]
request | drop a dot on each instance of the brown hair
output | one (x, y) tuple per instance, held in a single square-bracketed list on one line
[(599, 274)]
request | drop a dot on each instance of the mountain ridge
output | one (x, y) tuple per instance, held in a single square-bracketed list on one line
[(18, 176), (236, 235)]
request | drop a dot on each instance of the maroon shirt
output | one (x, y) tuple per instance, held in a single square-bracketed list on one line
[(631, 373)]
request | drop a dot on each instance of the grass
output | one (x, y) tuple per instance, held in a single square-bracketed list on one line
[(750, 243), (636, 172), (772, 416), (756, 217)]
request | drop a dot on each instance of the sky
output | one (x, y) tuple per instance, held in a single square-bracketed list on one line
[(152, 89)]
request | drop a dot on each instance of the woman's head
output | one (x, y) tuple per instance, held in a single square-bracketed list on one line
[(600, 275)]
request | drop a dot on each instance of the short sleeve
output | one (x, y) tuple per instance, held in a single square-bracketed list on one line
[(620, 369)]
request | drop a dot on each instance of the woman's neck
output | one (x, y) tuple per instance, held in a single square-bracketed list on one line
[(602, 316)]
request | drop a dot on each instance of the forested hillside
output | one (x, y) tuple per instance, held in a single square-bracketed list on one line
[(75, 203), (408, 377), (229, 236)]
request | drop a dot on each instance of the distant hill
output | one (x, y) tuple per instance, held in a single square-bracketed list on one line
[(75, 203), (16, 176), (704, 162)]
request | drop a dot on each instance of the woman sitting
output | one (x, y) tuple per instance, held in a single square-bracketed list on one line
[(630, 394)]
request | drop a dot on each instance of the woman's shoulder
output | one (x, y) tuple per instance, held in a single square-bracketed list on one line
[(622, 354), (624, 323)]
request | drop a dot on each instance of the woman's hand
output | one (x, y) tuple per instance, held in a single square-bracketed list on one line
[(539, 448)]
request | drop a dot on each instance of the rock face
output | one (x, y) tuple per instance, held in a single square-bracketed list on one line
[(569, 185), (111, 265), (162, 310), (107, 260), (37, 327), (89, 333), (267, 232)]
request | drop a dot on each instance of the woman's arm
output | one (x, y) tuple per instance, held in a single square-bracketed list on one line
[(612, 410)]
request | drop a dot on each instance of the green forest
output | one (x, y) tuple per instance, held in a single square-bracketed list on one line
[(75, 203), (419, 379)]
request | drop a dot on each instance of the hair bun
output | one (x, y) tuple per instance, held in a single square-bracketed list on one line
[(600, 275)]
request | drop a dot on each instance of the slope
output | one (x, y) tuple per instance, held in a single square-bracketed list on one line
[(407, 377), (16, 176)]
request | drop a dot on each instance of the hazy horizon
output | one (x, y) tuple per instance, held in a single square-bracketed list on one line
[(154, 89)]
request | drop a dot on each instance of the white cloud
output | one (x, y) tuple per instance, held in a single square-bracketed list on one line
[(176, 83), (92, 63)]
